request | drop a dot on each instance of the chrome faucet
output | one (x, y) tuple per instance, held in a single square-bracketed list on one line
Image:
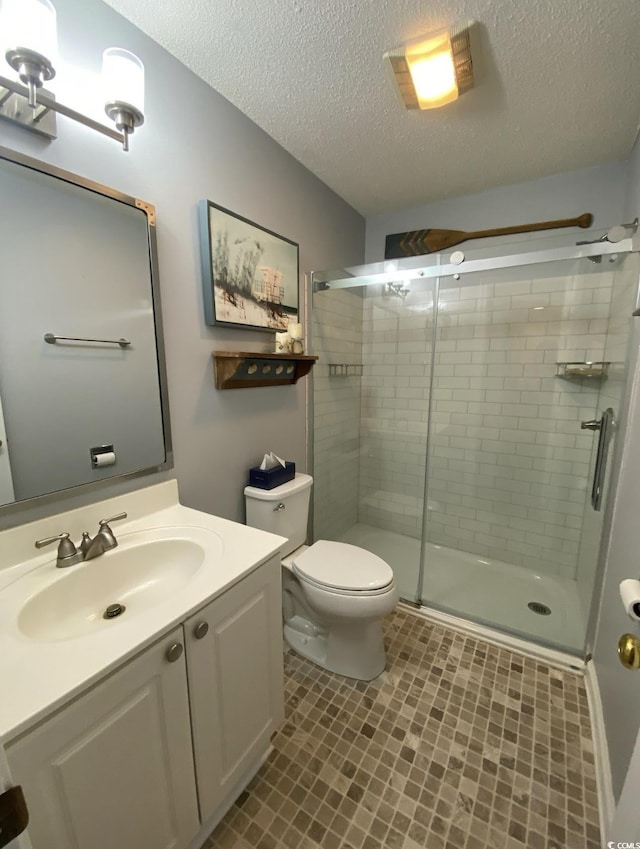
[(89, 547)]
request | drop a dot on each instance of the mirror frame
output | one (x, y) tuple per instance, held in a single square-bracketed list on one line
[(149, 210)]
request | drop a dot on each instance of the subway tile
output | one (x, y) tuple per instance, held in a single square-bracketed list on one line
[(470, 344), (512, 290), (528, 329), (527, 301), (468, 395), (489, 331), (519, 436), (522, 411), (510, 316), (471, 370), (512, 370)]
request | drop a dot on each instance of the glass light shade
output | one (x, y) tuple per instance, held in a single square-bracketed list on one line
[(123, 78), (432, 71), (29, 24)]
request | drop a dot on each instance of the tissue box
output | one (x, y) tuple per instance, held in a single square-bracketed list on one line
[(270, 478)]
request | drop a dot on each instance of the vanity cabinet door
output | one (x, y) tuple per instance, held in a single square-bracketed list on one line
[(115, 767), (234, 662)]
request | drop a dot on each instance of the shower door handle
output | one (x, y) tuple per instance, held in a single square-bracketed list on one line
[(605, 425)]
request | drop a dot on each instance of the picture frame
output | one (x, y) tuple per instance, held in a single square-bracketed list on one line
[(250, 274)]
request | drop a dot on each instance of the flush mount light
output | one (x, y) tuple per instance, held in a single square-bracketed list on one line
[(433, 70), (29, 37)]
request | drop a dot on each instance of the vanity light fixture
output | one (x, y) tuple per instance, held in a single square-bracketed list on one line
[(28, 31), (433, 70)]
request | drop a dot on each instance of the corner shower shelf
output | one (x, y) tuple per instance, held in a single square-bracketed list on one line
[(583, 371), (242, 369)]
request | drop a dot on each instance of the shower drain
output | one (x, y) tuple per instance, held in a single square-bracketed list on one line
[(539, 607)]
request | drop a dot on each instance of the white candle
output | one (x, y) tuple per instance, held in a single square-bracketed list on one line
[(295, 331), (283, 343)]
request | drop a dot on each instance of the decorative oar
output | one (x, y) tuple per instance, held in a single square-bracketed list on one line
[(416, 242)]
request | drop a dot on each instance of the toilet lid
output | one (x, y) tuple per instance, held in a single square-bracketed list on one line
[(341, 566)]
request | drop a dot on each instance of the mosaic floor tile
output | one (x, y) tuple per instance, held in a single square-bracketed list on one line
[(457, 745)]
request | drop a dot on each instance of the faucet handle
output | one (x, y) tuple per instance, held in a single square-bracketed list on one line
[(106, 533), (62, 538), (67, 552), (107, 522)]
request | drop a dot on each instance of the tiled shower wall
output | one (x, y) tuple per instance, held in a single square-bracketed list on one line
[(509, 465)]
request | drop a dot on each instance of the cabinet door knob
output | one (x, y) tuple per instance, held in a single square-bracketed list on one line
[(201, 630), (174, 652)]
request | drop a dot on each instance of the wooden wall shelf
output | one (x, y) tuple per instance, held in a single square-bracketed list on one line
[(242, 369)]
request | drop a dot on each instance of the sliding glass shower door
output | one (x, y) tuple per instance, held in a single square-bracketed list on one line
[(522, 357), (447, 439)]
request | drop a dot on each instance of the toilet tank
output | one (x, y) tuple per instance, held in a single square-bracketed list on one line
[(290, 520)]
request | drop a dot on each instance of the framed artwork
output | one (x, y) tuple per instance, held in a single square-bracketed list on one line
[(250, 275)]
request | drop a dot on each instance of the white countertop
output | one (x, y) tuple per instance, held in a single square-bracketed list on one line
[(39, 675)]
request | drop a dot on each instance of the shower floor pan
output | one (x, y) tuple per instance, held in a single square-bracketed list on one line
[(480, 589)]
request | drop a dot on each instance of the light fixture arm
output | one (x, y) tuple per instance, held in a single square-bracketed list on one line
[(126, 118), (49, 104)]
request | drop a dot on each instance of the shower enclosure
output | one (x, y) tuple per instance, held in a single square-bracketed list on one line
[(448, 438)]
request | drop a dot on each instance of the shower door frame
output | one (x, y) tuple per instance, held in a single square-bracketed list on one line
[(395, 271)]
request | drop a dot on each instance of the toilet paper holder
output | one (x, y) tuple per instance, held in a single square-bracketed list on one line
[(102, 455)]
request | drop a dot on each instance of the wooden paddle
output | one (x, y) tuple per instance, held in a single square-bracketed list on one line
[(416, 242)]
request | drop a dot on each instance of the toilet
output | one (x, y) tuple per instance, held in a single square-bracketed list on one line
[(334, 595)]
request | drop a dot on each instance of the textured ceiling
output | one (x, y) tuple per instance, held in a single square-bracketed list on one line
[(557, 90)]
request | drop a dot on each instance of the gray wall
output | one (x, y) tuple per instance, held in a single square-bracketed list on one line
[(620, 690), (599, 190), (195, 144)]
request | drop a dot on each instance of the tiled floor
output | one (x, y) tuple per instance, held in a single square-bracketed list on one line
[(458, 744)]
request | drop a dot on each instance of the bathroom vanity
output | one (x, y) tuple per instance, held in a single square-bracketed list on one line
[(141, 730)]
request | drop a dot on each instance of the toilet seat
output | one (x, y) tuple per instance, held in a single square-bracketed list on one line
[(342, 568)]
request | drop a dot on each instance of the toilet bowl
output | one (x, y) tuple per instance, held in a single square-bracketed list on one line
[(334, 595)]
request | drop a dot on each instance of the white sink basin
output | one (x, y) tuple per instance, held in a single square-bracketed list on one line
[(146, 569)]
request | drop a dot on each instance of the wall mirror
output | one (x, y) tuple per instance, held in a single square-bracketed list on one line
[(82, 377)]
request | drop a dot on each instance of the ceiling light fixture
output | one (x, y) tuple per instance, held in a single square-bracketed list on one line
[(29, 36), (433, 70)]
